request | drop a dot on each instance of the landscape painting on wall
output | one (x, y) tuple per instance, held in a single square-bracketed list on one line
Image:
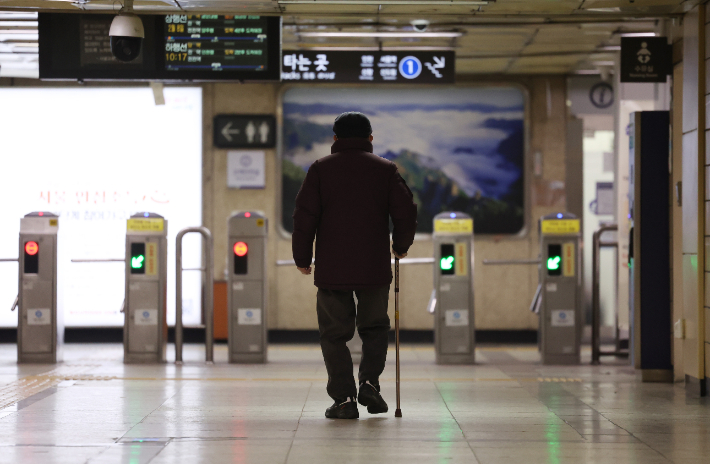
[(458, 148)]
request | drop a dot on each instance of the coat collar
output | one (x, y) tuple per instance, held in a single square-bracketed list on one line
[(354, 143)]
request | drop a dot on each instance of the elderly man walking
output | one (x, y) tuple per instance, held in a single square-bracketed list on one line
[(345, 204)]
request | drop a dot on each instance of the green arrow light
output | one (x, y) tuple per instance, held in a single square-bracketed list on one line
[(447, 263), (137, 261), (553, 263)]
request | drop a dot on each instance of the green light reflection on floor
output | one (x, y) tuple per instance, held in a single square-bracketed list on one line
[(448, 429), (553, 441)]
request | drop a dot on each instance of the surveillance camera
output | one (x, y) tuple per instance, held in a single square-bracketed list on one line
[(420, 25), (126, 35)]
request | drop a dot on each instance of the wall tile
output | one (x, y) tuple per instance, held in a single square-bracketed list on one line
[(690, 70), (690, 312), (690, 189)]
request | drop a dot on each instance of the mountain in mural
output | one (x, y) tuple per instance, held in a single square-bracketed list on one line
[(433, 192)]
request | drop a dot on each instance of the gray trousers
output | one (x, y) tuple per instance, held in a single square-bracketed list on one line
[(337, 319)]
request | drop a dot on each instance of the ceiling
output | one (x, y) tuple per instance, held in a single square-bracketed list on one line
[(496, 36)]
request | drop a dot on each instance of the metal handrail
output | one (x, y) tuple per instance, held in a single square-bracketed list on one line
[(100, 260), (16, 303), (511, 261), (9, 260), (290, 262), (209, 292), (597, 245)]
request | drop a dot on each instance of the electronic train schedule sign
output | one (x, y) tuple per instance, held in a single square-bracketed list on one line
[(369, 67), (205, 46), (177, 47)]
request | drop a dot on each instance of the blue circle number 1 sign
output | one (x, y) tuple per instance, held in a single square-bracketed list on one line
[(410, 67)]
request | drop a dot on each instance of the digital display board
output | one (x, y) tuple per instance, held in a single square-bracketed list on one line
[(216, 43), (177, 47), (340, 67)]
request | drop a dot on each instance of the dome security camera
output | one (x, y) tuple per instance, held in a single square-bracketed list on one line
[(420, 25), (126, 36)]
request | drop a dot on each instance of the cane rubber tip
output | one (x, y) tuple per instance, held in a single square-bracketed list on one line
[(398, 413)]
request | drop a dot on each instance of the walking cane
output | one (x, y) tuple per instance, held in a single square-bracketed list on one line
[(398, 411)]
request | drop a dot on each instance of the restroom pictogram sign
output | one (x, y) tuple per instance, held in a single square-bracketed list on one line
[(645, 59)]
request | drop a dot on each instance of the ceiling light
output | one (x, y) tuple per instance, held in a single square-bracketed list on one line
[(382, 34), (375, 49), (384, 2), (637, 34)]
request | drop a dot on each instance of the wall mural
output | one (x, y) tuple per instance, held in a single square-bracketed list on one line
[(457, 148)]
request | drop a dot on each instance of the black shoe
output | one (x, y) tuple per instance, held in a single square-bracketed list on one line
[(370, 396), (343, 410)]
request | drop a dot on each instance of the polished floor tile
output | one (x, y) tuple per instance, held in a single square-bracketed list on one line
[(506, 409)]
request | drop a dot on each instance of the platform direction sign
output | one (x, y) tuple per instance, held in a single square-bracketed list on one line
[(338, 67), (244, 131)]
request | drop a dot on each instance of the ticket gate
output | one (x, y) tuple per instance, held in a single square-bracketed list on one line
[(40, 327), (246, 285), (452, 299), (145, 330), (559, 294)]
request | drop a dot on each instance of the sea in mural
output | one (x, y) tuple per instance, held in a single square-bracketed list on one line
[(458, 149)]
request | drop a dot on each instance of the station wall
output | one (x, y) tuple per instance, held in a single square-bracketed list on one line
[(503, 293)]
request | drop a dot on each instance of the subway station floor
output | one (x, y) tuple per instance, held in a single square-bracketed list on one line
[(507, 409)]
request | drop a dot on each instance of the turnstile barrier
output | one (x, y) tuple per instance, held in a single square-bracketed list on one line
[(145, 330), (246, 284), (560, 289), (40, 327), (452, 300)]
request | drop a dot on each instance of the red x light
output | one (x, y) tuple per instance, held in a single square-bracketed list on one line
[(241, 249), (31, 248)]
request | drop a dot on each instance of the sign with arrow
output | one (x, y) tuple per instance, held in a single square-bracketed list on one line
[(244, 131), (369, 67)]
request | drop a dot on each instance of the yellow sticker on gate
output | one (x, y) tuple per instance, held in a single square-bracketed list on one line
[(560, 226), (568, 263), (53, 222), (260, 223), (151, 258), (453, 226), (145, 224), (461, 262)]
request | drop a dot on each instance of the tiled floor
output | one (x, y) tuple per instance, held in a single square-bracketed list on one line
[(506, 409)]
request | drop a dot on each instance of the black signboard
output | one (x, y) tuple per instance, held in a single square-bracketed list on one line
[(368, 67), (95, 43), (645, 59), (180, 47), (244, 131)]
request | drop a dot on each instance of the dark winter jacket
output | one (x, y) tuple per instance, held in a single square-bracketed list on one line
[(345, 203)]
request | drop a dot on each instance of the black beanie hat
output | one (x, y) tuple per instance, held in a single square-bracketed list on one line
[(352, 124)]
